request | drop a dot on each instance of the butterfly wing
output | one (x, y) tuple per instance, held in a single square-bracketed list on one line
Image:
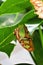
[(24, 38)]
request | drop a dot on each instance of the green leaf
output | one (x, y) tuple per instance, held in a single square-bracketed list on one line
[(10, 20), (28, 16), (16, 19), (6, 36), (38, 50), (31, 18), (14, 6), (8, 49), (35, 20)]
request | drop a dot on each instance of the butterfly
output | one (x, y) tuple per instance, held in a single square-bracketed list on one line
[(38, 5), (24, 38)]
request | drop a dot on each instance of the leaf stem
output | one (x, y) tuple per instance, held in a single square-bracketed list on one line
[(33, 58), (41, 35)]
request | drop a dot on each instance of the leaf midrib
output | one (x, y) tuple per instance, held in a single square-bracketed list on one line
[(5, 39)]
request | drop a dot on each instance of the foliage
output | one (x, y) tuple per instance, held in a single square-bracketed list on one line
[(14, 13)]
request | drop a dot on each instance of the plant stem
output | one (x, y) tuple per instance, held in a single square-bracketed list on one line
[(33, 58), (41, 35)]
